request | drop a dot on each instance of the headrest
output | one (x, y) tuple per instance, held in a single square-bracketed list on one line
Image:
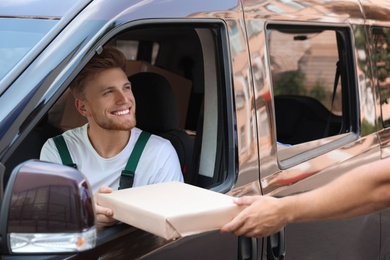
[(156, 109)]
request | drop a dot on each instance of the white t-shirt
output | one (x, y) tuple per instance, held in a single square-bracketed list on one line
[(158, 163)]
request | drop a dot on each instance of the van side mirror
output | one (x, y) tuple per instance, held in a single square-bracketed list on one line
[(47, 208)]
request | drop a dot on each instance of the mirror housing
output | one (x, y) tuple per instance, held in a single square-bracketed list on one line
[(47, 208)]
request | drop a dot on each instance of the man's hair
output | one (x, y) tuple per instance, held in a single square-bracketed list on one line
[(109, 58)]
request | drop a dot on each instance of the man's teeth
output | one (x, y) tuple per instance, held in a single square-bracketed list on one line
[(124, 112)]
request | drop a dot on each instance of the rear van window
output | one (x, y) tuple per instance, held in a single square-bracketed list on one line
[(312, 84)]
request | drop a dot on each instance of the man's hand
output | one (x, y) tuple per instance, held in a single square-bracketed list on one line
[(104, 215), (263, 217)]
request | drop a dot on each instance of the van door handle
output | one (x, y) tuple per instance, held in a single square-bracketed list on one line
[(276, 248), (247, 248)]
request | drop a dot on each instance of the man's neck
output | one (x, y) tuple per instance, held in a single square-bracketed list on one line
[(108, 143)]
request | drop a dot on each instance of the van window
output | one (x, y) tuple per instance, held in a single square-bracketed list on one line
[(381, 42), (202, 132), (311, 82)]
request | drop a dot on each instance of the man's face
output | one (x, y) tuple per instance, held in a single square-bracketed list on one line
[(109, 102)]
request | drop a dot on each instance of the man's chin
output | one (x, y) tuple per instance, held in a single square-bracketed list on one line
[(119, 126), (123, 127)]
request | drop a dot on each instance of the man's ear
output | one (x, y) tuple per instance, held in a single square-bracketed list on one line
[(80, 105)]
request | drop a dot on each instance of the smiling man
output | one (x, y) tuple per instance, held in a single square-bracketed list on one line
[(106, 149)]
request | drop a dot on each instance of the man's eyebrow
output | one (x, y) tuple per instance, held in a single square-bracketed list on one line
[(128, 83), (107, 88)]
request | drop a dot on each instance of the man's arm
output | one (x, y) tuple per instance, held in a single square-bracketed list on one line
[(363, 190), (170, 169), (50, 153)]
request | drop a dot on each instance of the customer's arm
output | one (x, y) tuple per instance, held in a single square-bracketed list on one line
[(363, 190)]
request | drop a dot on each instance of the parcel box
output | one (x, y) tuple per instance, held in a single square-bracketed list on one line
[(172, 209)]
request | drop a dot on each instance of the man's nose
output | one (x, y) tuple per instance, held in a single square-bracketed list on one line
[(122, 97)]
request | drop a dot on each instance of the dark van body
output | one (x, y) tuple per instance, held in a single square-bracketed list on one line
[(275, 98)]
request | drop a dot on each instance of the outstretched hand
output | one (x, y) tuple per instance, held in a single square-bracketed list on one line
[(262, 217), (103, 214)]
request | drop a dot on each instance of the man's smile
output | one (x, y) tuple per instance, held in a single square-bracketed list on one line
[(121, 112)]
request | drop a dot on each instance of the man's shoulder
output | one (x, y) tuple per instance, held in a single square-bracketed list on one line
[(154, 140), (74, 132), (159, 139), (72, 136), (51, 146)]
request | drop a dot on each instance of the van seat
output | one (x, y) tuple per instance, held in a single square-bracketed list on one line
[(301, 119), (180, 86), (157, 113)]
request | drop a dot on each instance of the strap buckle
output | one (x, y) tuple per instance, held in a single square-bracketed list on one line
[(73, 165), (126, 180)]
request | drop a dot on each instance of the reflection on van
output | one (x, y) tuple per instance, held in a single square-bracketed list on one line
[(274, 98)]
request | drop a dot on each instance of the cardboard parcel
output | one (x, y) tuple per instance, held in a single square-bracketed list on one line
[(172, 209)]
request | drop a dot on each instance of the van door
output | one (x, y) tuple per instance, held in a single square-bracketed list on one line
[(311, 118), (197, 47)]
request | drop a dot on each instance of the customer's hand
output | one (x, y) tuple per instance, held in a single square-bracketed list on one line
[(262, 217)]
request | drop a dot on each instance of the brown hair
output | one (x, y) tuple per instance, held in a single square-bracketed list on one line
[(107, 59)]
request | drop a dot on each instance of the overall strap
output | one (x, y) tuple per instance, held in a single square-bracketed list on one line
[(127, 175), (62, 148)]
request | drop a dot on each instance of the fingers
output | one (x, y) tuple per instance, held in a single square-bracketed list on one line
[(103, 211), (104, 189), (245, 200), (104, 217), (103, 214), (236, 224), (232, 226), (260, 218)]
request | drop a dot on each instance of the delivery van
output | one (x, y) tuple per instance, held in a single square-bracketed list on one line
[(268, 97)]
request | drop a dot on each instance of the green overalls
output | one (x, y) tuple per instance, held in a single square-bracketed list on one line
[(127, 175)]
